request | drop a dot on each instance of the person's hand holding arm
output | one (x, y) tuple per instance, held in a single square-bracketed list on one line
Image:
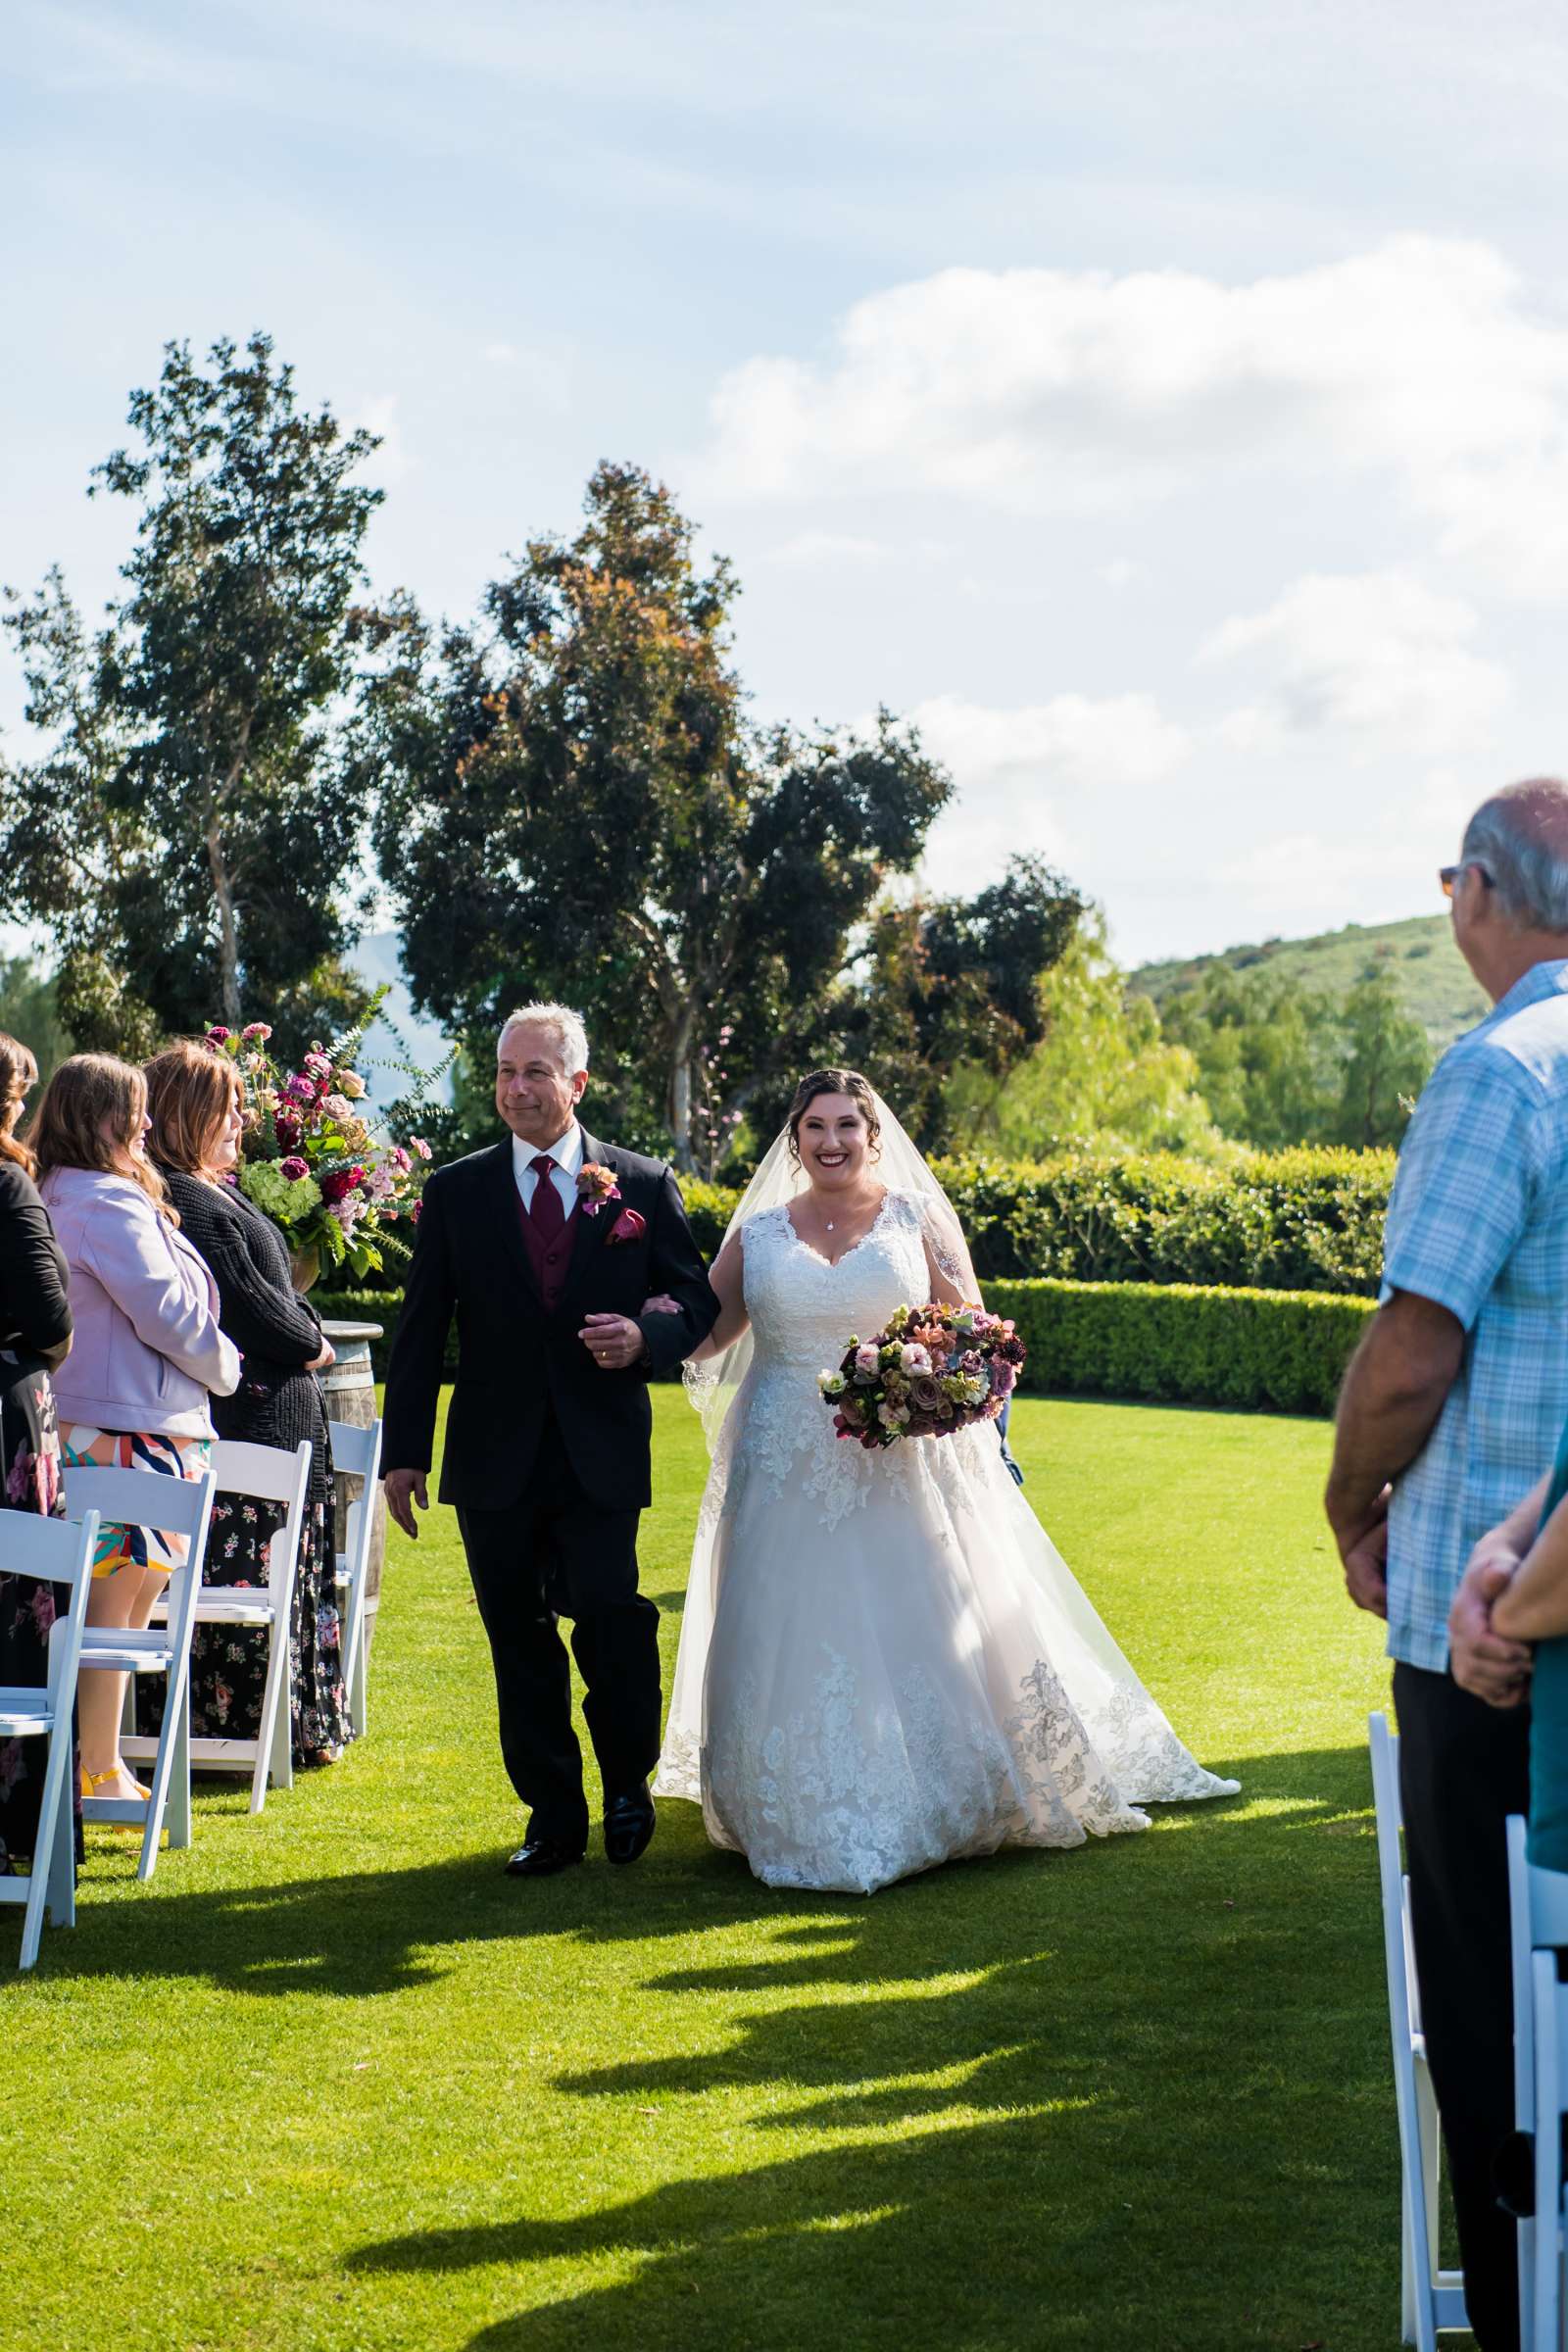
[(1482, 1658)]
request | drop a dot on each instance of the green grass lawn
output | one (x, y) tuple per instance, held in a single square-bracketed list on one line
[(333, 2082)]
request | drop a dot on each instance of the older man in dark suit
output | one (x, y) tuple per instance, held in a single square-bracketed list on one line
[(545, 1246)]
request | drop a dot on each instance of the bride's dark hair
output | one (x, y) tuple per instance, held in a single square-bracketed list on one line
[(833, 1082)]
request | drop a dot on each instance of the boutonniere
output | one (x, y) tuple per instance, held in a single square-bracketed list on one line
[(596, 1184), (629, 1226)]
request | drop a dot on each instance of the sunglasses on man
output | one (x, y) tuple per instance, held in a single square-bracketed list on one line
[(1448, 875)]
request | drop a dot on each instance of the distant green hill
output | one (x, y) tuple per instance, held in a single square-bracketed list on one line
[(1434, 983)]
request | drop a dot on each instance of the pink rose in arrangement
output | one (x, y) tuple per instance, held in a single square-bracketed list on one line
[(294, 1169), (299, 1090), (318, 1065), (256, 1033), (420, 1146), (219, 1036)]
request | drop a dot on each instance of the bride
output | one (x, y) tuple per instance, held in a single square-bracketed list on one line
[(884, 1662)]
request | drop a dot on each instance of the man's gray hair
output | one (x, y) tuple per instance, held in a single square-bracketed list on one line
[(563, 1024), (1521, 837)]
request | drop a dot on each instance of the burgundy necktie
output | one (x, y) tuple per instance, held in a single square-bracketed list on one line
[(545, 1210)]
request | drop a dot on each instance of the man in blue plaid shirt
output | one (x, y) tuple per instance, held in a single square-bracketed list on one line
[(1449, 1413)]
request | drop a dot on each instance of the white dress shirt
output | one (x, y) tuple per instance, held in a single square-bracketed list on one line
[(568, 1153)]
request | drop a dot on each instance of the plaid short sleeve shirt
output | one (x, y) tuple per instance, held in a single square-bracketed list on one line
[(1479, 1221)]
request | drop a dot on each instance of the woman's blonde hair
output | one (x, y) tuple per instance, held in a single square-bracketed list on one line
[(190, 1094), (85, 1093), (17, 1072)]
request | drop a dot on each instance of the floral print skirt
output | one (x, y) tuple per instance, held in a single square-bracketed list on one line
[(30, 1481), (228, 1662)]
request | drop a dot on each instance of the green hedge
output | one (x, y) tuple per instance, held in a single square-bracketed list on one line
[(1279, 1350), (1306, 1220)]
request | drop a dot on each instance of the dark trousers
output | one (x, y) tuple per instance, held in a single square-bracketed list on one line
[(1463, 1768), (555, 1552)]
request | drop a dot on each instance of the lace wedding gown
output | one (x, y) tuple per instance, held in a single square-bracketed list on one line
[(884, 1662)]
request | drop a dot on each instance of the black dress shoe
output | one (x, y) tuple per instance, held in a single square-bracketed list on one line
[(541, 1858), (628, 1825)]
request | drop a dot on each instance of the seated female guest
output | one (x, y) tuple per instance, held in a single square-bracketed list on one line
[(146, 1356), (34, 1335), (198, 1115)]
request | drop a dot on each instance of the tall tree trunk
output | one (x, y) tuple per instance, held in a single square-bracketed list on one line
[(227, 929), (682, 1089)]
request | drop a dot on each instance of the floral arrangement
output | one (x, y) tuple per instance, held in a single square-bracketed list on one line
[(935, 1370), (596, 1184), (313, 1162)]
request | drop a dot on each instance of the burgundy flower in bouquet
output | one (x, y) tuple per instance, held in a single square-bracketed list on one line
[(934, 1371)]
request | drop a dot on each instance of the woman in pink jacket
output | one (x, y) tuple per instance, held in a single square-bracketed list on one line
[(146, 1356)]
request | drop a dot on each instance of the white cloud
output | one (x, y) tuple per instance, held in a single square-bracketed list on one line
[(1029, 777), (545, 369), (1420, 360), (1379, 655), (814, 549), (391, 463)]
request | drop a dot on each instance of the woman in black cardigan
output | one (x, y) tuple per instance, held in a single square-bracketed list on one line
[(34, 1336), (196, 1104)]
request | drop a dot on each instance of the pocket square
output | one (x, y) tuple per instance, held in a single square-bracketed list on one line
[(629, 1226)]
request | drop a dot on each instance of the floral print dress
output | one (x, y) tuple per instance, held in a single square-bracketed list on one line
[(30, 1481)]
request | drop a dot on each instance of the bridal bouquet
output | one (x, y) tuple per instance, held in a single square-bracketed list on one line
[(935, 1370), (313, 1161)]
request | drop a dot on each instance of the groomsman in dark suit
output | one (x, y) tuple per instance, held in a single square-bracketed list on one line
[(545, 1246)]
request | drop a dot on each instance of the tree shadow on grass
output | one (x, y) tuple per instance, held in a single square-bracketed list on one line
[(1083, 2099)]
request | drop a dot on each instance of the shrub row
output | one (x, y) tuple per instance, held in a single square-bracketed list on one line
[(1275, 1350), (1306, 1220)]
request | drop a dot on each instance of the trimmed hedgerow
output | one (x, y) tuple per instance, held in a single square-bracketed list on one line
[(1274, 1351), (1304, 1220), (1279, 1350)]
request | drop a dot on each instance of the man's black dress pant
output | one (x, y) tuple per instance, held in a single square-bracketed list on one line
[(555, 1552), (1463, 1768)]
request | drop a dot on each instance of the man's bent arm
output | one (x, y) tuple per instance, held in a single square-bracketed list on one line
[(1393, 1391)]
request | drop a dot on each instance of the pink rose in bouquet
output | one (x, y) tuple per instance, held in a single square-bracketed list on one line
[(935, 1370)]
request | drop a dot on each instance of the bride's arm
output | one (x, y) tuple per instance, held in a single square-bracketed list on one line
[(947, 1259), (728, 1277)]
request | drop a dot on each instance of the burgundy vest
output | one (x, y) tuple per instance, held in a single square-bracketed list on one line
[(550, 1265)]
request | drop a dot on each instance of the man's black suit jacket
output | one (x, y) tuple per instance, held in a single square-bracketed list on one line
[(515, 1362)]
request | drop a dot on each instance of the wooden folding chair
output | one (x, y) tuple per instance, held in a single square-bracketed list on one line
[(266, 1474), (174, 1506), (355, 1453), (59, 1551), (1537, 1922), (1432, 2298)]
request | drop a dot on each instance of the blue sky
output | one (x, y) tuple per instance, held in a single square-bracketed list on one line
[(1166, 405)]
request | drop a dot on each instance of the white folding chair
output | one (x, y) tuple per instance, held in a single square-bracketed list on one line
[(355, 1453), (1432, 2299), (265, 1474), (60, 1551), (174, 1506), (1538, 1923), (1548, 2009)]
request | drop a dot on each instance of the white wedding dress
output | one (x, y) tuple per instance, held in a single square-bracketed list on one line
[(884, 1662)]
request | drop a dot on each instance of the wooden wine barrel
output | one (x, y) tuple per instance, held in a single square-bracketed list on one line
[(350, 1385)]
